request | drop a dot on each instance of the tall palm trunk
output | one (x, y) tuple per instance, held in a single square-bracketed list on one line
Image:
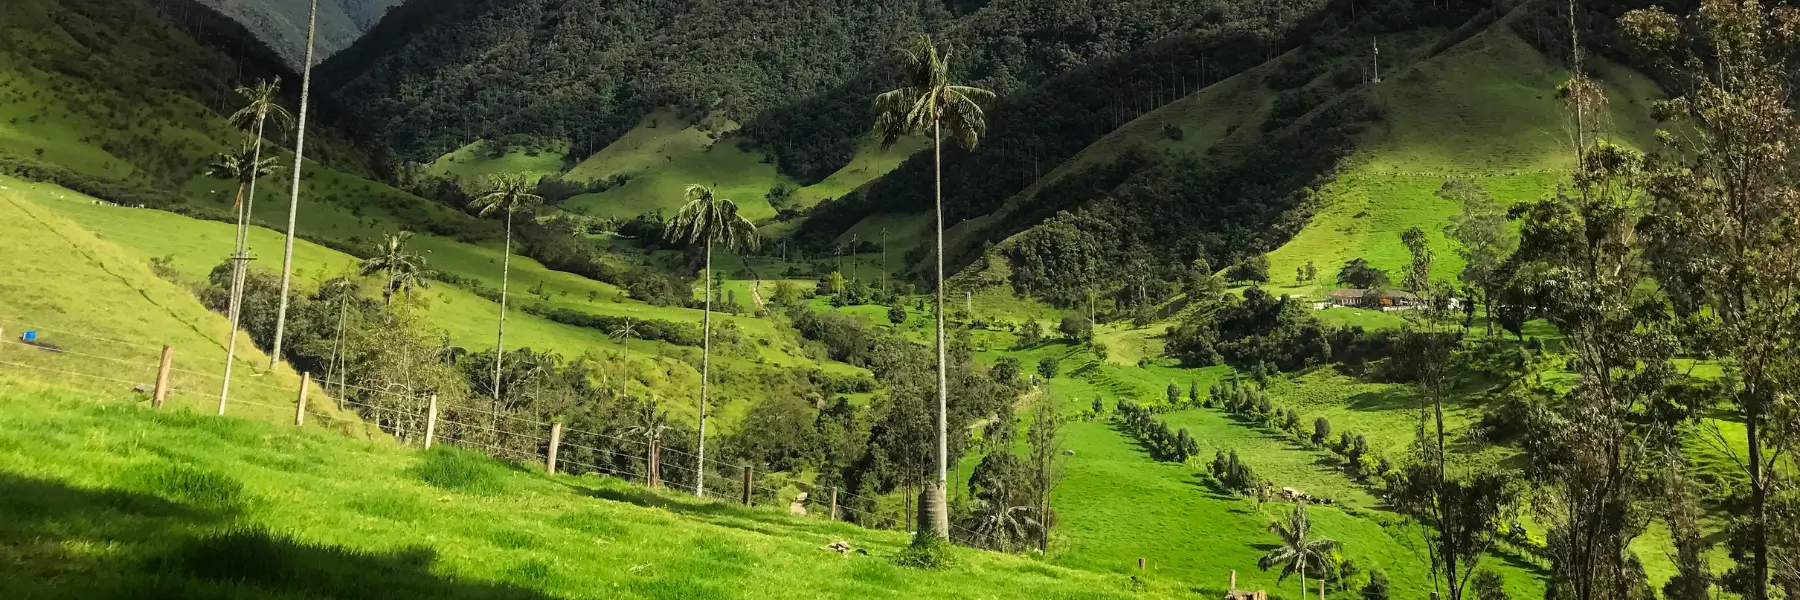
[(287, 255), (705, 373), (337, 348), (500, 344), (237, 272), (939, 509)]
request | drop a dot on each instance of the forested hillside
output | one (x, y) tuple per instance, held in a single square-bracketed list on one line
[(798, 74)]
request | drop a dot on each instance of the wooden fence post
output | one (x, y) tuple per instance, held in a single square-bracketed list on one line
[(555, 440), (430, 420), (1140, 563), (834, 516), (162, 378), (655, 466), (748, 478), (300, 405)]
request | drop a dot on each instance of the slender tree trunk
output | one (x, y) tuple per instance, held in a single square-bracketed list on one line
[(287, 255), (940, 519), (237, 276), (337, 346), (500, 344), (1759, 499), (705, 372)]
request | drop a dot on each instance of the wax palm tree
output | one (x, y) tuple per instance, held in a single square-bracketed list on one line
[(627, 330), (651, 425), (243, 166), (405, 271), (287, 253), (262, 104), (509, 192), (929, 103), (707, 219), (1298, 550)]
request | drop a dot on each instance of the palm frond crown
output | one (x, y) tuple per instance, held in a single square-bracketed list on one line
[(1298, 551), (263, 100), (237, 165), (707, 218), (929, 97), (506, 192)]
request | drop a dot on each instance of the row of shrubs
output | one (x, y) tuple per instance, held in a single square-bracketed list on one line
[(1255, 405), (126, 192), (1166, 444), (680, 334), (1228, 472)]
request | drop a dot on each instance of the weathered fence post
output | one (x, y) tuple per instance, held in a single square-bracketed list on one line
[(555, 440), (430, 420), (162, 378), (748, 478), (1321, 589), (300, 405), (655, 467), (834, 516), (1140, 563)]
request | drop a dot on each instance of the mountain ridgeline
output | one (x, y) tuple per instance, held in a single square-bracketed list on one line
[(282, 24), (799, 75)]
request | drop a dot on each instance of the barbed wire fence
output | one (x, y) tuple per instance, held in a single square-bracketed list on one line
[(415, 418)]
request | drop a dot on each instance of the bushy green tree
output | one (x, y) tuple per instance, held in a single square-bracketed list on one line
[(1047, 367), (1358, 273), (1076, 328)]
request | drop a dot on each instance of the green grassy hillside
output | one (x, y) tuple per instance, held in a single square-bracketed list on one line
[(476, 161), (1483, 109), (662, 156), (106, 316), (107, 499)]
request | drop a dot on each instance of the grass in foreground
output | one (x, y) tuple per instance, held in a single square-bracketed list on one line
[(108, 499)]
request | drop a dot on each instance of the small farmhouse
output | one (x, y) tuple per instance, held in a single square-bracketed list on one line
[(1376, 299)]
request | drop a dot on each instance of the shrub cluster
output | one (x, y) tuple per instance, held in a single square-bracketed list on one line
[(1166, 444), (1255, 405), (680, 334)]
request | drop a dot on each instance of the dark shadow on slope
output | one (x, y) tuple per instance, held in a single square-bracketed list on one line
[(158, 548)]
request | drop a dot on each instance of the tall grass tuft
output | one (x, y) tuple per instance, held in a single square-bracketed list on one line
[(459, 470)]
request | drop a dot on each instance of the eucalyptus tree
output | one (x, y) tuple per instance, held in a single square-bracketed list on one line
[(929, 102), (1723, 236), (510, 193), (287, 253), (707, 220)]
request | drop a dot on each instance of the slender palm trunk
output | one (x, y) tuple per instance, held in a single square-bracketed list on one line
[(337, 348), (500, 344), (287, 255), (237, 272), (705, 373), (940, 519)]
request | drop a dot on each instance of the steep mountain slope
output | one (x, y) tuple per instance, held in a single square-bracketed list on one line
[(281, 24), (1253, 165), (799, 76)]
